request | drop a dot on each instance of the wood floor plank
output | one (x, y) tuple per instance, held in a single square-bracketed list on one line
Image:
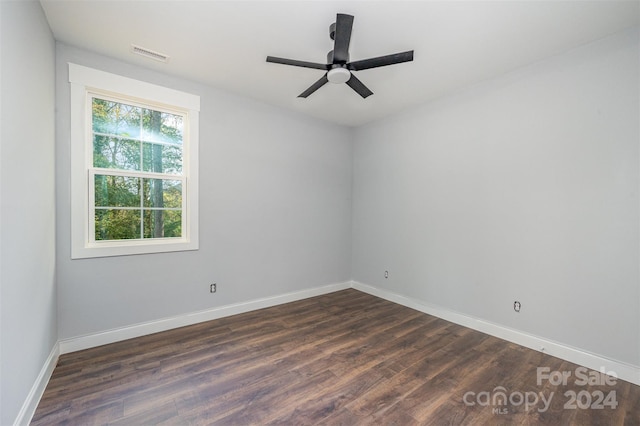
[(344, 358)]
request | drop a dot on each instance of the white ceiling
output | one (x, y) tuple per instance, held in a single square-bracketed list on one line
[(225, 43)]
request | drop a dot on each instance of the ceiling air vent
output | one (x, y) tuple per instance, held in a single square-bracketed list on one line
[(148, 53)]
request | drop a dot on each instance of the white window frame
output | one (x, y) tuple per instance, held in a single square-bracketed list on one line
[(86, 83)]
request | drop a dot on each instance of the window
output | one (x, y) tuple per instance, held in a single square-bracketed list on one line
[(134, 165)]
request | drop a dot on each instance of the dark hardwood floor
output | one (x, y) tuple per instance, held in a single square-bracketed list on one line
[(342, 358)]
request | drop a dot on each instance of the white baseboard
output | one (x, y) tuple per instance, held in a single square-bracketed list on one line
[(123, 333), (33, 398), (624, 371)]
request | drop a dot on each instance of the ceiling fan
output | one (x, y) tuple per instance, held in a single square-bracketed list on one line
[(338, 67)]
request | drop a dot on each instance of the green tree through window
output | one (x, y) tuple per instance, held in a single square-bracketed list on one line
[(137, 171)]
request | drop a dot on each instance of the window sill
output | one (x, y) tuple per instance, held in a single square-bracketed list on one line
[(128, 248)]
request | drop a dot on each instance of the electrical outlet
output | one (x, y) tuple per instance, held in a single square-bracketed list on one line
[(516, 306), (386, 274), (213, 288)]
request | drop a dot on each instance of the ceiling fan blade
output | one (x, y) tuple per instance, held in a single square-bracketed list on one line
[(344, 24), (381, 61), (296, 63), (315, 86), (359, 87)]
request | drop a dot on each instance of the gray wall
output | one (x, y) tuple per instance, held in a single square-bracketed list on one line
[(275, 213), (523, 188), (27, 194)]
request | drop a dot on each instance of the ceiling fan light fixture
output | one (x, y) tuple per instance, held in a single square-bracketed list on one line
[(338, 75)]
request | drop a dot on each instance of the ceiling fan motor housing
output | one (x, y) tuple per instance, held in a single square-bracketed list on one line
[(330, 58)]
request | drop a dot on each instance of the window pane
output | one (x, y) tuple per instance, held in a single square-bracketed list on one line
[(114, 224), (162, 158), (114, 118), (116, 153), (161, 127), (117, 191), (162, 193), (162, 223)]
